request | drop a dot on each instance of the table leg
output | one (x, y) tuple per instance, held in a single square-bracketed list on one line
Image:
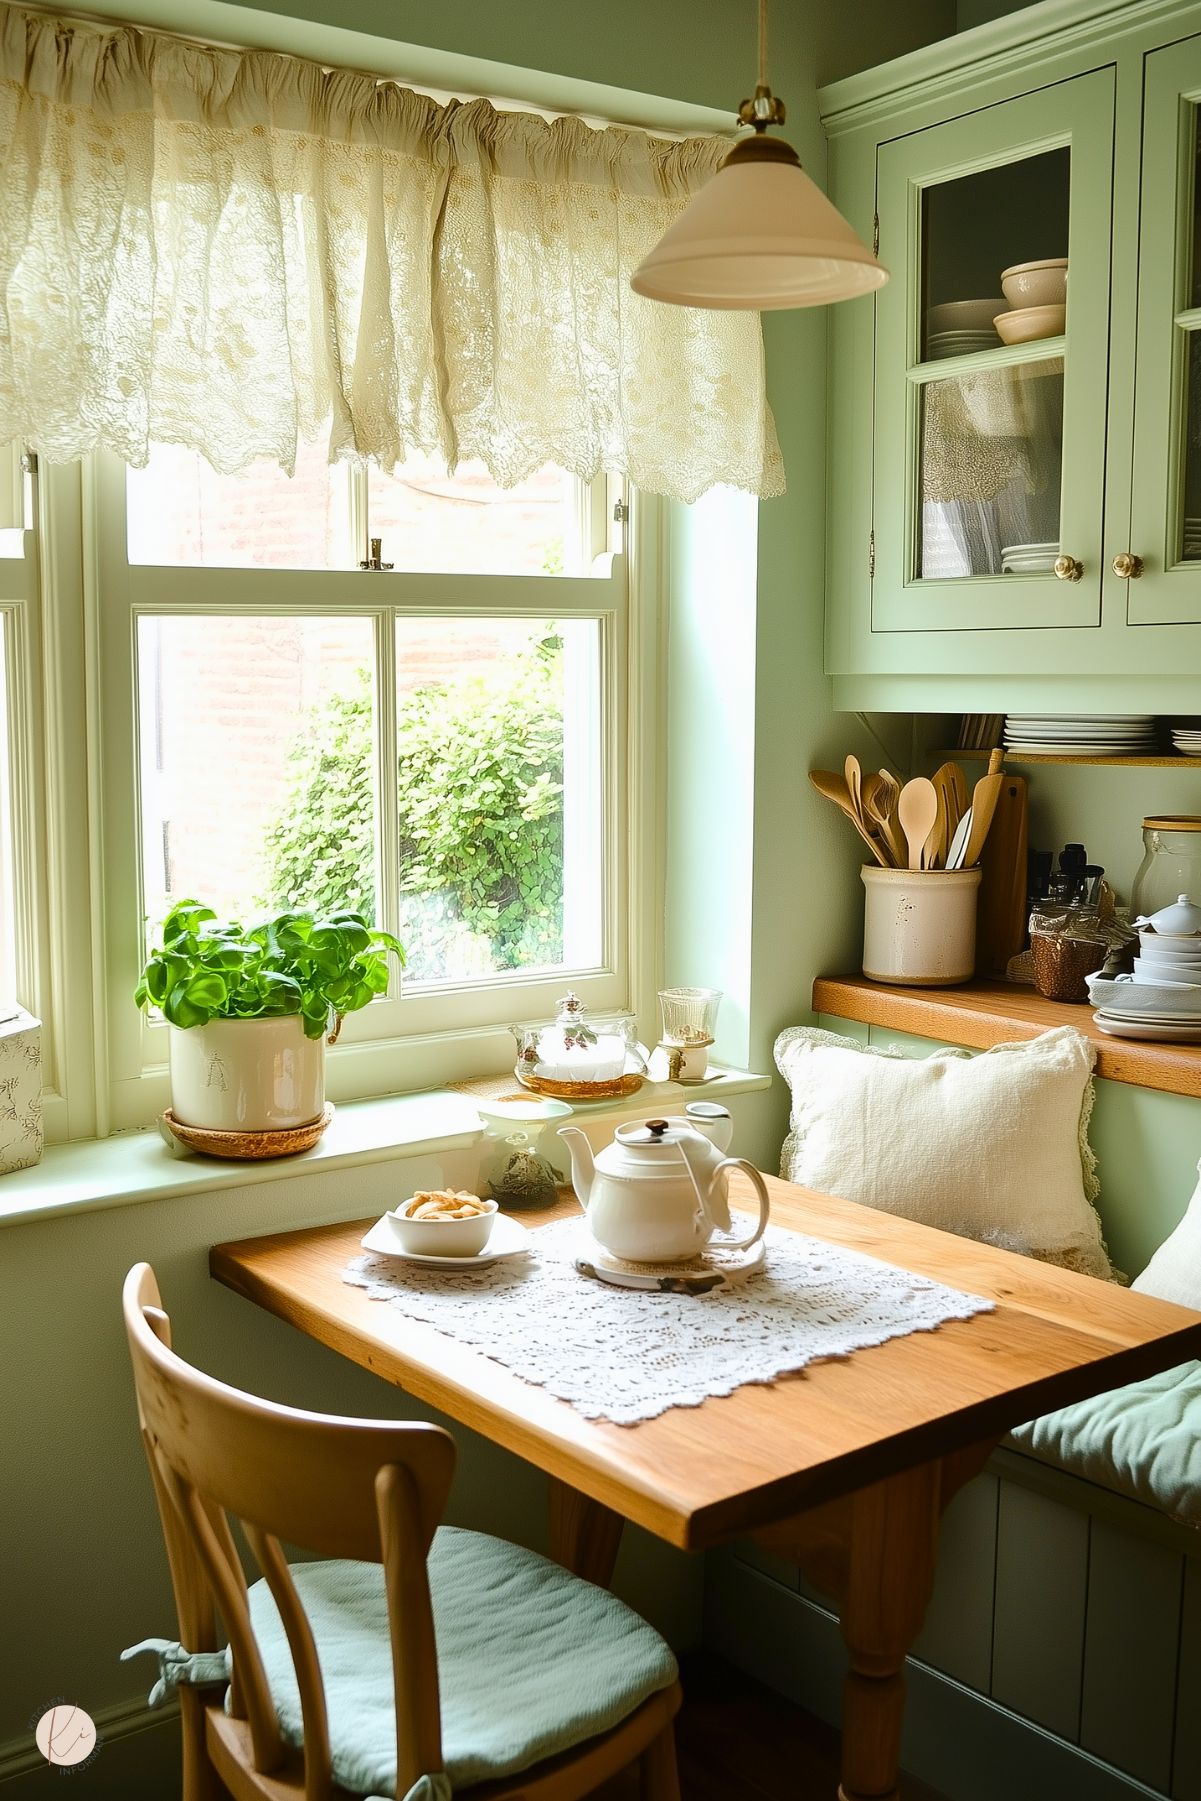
[(874, 1554), (890, 1574), (584, 1534)]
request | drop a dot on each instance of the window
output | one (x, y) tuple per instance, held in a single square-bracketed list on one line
[(440, 745)]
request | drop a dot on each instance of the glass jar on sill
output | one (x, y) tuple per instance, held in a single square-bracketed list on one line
[(523, 1162), (1171, 862)]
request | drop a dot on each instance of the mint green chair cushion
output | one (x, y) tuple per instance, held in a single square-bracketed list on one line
[(1143, 1441), (531, 1660)]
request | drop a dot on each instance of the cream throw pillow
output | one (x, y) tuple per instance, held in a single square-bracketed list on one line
[(1174, 1272), (993, 1147)]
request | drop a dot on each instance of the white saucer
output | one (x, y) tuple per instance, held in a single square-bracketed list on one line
[(714, 1267), (1115, 1026), (509, 1239)]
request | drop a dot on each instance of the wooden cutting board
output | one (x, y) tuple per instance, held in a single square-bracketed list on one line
[(1001, 906)]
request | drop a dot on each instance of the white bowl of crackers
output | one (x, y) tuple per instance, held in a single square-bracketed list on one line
[(444, 1222)]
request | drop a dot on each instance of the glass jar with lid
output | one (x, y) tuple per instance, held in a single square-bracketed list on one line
[(578, 1058), (1171, 863)]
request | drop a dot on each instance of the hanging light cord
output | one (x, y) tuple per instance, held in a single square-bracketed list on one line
[(764, 109)]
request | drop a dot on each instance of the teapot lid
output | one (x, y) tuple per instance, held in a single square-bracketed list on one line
[(1181, 920), (649, 1134)]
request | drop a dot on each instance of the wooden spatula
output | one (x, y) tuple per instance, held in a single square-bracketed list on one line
[(985, 796), (879, 803), (834, 787)]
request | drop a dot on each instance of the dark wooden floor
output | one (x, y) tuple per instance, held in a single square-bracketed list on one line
[(739, 1742)]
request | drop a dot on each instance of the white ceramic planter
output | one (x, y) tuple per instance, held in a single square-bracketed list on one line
[(246, 1075), (919, 926)]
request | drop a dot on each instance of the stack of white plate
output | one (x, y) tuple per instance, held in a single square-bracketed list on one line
[(1167, 1028), (1144, 1007), (961, 327), (1186, 737), (1028, 559), (940, 344), (1081, 735), (1191, 549)]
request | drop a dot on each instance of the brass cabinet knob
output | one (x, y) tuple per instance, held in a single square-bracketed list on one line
[(1127, 566), (1068, 569)]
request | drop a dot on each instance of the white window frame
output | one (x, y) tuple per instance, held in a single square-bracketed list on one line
[(423, 1036)]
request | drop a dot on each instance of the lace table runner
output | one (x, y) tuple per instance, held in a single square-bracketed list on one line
[(624, 1355)]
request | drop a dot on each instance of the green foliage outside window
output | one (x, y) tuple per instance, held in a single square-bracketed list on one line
[(480, 764)]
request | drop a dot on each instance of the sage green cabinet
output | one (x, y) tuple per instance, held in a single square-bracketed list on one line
[(988, 460), (1021, 523), (1165, 517)]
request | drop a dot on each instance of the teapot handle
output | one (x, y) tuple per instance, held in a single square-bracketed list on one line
[(760, 1187)]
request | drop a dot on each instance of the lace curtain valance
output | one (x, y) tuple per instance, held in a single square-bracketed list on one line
[(230, 250)]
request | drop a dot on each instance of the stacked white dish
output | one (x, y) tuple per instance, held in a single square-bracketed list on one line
[(1081, 734), (1028, 559), (1191, 548), (961, 328), (942, 344), (1162, 1000), (1186, 737)]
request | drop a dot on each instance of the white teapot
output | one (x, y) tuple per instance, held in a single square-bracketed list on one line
[(657, 1194)]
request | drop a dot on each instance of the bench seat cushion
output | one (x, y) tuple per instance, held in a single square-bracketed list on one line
[(1143, 1441), (531, 1660)]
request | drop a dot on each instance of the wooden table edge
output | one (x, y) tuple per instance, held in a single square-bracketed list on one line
[(705, 1527)]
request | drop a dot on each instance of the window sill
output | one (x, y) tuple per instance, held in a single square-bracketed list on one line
[(89, 1175)]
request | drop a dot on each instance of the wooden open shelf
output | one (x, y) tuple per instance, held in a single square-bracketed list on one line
[(1172, 762), (982, 1014)]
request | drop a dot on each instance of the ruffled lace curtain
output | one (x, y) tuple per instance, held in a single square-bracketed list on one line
[(229, 250)]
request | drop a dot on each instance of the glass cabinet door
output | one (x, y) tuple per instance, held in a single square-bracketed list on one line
[(1164, 584), (991, 347)]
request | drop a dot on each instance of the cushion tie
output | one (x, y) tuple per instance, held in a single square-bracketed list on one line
[(178, 1669)]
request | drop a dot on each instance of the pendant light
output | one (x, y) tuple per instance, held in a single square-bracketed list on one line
[(760, 234)]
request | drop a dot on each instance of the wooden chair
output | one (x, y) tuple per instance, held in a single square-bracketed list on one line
[(341, 1488)]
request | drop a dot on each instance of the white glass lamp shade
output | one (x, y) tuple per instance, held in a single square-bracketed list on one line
[(759, 235)]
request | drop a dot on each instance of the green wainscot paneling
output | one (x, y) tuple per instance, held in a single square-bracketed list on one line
[(1147, 1146)]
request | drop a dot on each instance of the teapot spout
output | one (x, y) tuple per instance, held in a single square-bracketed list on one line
[(582, 1167)]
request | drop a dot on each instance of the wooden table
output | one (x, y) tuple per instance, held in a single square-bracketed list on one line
[(844, 1468)]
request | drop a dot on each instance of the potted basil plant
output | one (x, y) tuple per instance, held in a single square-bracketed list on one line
[(249, 1009)]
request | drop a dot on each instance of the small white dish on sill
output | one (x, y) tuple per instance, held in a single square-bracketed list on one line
[(1028, 324), (508, 1239), (1042, 283)]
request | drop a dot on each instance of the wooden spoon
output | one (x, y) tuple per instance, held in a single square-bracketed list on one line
[(834, 787), (917, 810)]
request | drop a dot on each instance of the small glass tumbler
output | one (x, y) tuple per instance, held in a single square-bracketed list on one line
[(689, 1028)]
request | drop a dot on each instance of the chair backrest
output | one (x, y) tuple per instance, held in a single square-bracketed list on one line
[(367, 1489)]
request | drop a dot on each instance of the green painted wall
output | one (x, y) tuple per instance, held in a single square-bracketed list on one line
[(763, 891), (978, 12), (631, 45)]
